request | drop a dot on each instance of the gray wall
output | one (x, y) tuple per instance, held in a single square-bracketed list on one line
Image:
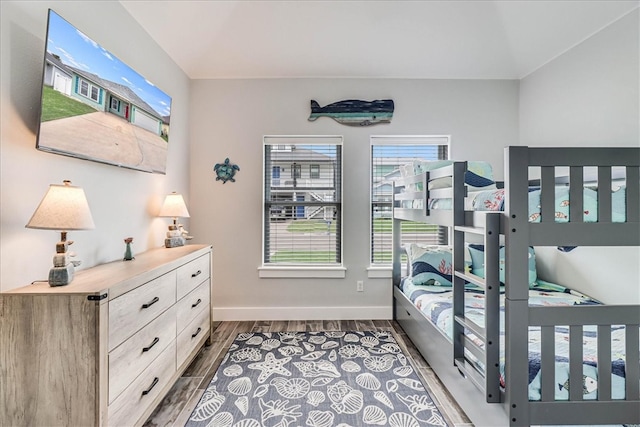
[(123, 202), (229, 119), (589, 97)]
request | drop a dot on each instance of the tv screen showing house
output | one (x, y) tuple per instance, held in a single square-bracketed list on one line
[(95, 107)]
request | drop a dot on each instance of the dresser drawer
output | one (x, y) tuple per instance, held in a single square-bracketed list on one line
[(134, 401), (193, 333), (134, 355), (192, 274), (191, 305), (131, 311)]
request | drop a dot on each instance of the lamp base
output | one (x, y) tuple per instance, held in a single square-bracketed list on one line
[(172, 242), (60, 276)]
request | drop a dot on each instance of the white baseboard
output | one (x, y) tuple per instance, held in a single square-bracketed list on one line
[(302, 313)]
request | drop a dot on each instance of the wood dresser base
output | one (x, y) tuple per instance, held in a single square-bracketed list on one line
[(105, 349)]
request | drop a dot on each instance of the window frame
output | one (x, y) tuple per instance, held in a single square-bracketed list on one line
[(81, 88), (314, 171), (300, 270), (296, 171), (378, 269), (90, 87), (96, 90)]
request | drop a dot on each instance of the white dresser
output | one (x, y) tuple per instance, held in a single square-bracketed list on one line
[(105, 349)]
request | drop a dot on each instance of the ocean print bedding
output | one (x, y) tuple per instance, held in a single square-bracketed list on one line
[(436, 303), (493, 200)]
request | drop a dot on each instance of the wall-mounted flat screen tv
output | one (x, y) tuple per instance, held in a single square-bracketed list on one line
[(95, 107)]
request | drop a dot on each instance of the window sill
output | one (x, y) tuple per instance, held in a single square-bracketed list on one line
[(294, 272), (376, 272)]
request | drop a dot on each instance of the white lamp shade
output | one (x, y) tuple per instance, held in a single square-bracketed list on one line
[(63, 208), (174, 207)]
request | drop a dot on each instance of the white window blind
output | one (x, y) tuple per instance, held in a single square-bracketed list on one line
[(388, 153), (302, 200)]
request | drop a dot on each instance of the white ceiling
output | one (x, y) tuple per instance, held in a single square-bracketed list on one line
[(369, 38)]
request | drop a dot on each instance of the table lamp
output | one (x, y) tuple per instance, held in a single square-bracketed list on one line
[(64, 208), (174, 207)]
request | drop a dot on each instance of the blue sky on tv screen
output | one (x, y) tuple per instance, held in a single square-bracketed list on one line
[(79, 51)]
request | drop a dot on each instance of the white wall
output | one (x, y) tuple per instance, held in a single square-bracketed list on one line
[(123, 202), (229, 119), (589, 97)]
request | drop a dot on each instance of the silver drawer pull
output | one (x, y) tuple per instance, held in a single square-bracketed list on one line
[(197, 273), (156, 340), (197, 303), (150, 303), (197, 332), (153, 384)]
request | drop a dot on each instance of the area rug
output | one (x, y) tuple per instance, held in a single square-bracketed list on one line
[(315, 379)]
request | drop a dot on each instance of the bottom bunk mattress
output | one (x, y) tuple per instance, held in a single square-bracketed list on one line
[(436, 304)]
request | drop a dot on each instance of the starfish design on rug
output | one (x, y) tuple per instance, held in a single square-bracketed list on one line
[(271, 366), (296, 380)]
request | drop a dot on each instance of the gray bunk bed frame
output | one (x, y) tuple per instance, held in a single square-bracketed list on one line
[(510, 405)]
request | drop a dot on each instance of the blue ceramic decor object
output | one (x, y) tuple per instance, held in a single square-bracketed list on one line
[(128, 254), (225, 171)]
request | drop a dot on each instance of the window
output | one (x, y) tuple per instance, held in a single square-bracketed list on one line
[(89, 90), (84, 88), (314, 171), (387, 155), (94, 93), (115, 104), (302, 217), (297, 170)]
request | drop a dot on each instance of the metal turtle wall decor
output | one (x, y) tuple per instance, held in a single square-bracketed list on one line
[(354, 112), (225, 171)]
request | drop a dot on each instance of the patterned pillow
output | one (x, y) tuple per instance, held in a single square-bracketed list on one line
[(477, 263), (430, 265)]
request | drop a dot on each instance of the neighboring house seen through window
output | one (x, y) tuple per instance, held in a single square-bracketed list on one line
[(388, 154), (302, 212)]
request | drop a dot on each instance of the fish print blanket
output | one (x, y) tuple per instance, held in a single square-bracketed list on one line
[(436, 303)]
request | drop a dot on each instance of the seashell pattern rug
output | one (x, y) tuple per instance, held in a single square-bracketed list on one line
[(315, 379)]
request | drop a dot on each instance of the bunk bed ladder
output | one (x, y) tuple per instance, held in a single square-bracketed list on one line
[(485, 377)]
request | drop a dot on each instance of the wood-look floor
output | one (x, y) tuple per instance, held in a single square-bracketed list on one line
[(176, 407)]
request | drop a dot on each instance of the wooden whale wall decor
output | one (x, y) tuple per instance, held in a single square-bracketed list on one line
[(354, 112)]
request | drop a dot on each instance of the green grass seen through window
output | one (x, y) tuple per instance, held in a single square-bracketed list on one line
[(386, 257), (311, 257), (380, 225), (310, 226), (384, 225)]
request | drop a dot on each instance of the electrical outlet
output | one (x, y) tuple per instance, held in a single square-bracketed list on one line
[(360, 286)]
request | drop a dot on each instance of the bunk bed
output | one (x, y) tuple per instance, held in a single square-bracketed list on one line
[(489, 374)]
